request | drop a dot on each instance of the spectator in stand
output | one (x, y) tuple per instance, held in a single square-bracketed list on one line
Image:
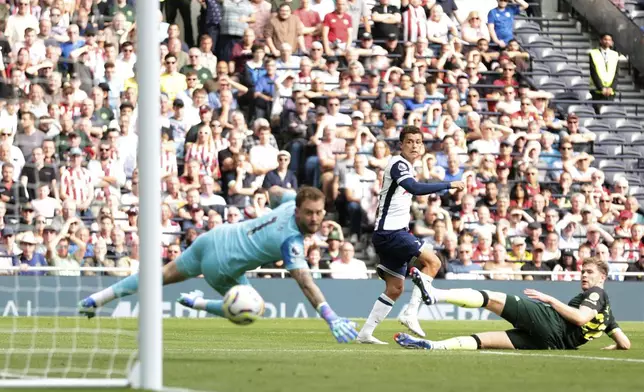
[(500, 20), (519, 253), (575, 133), (565, 268), (337, 30), (311, 22), (464, 263), (29, 258), (386, 19), (58, 253), (347, 266), (281, 176), (440, 27), (284, 28), (474, 29), (637, 267), (358, 198), (499, 265), (360, 12), (237, 15), (604, 65), (19, 22), (536, 264)]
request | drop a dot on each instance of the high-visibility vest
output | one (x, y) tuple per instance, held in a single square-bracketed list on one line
[(606, 68)]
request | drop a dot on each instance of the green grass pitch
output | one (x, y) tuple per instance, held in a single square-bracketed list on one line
[(300, 355)]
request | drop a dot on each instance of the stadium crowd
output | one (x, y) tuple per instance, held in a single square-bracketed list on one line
[(285, 93)]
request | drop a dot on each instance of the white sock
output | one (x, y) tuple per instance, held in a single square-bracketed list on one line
[(200, 304), (458, 343), (104, 296), (414, 302), (465, 298), (380, 310)]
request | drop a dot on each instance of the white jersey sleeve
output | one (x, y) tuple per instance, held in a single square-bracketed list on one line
[(394, 202)]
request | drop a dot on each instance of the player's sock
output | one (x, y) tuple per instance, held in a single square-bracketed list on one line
[(214, 306), (414, 302), (380, 310), (458, 343), (127, 286), (465, 298)]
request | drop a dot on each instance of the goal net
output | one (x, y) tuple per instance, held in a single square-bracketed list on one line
[(45, 342)]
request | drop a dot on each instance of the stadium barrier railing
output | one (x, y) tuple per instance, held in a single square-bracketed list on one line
[(283, 273)]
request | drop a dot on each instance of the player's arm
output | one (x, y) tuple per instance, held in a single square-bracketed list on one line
[(293, 255), (310, 290), (401, 173), (622, 342), (574, 316)]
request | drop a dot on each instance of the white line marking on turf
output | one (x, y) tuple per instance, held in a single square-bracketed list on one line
[(591, 358), (397, 352)]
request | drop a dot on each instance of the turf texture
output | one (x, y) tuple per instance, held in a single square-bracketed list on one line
[(300, 355)]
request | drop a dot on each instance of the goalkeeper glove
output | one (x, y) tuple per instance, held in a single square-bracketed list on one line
[(343, 330)]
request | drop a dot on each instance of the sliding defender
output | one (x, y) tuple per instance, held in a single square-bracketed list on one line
[(540, 321)]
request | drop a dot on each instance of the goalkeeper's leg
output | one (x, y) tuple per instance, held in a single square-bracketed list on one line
[(125, 287), (218, 281), (188, 265)]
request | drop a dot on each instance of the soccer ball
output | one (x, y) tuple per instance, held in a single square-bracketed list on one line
[(243, 305)]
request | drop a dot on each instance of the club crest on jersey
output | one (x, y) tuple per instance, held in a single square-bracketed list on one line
[(295, 250), (403, 168)]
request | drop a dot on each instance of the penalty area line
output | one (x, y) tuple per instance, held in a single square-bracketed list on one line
[(567, 356)]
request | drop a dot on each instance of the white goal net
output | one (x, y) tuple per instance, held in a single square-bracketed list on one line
[(45, 342)]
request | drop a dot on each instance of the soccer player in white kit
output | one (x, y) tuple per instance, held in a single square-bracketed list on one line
[(393, 242)]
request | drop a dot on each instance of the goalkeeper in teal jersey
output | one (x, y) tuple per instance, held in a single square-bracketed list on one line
[(224, 254)]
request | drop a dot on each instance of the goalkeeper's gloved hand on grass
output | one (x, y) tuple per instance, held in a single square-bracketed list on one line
[(343, 330)]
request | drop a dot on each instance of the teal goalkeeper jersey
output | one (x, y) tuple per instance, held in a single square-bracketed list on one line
[(244, 246)]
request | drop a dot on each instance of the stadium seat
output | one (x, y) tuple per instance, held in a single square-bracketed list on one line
[(537, 40), (624, 124), (610, 138), (595, 124), (610, 110), (552, 54), (540, 69), (581, 110), (526, 25)]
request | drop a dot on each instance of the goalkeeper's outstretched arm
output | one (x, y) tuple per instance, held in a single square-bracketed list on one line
[(342, 329), (311, 291)]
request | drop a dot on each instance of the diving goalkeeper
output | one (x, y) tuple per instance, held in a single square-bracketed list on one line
[(544, 325), (224, 254)]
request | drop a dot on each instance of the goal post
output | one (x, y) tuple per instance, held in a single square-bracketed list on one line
[(46, 344), (149, 158), (43, 342)]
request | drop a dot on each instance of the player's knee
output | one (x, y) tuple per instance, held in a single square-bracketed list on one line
[(394, 288), (495, 301), (429, 259)]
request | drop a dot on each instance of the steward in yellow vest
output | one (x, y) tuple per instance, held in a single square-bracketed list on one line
[(604, 64)]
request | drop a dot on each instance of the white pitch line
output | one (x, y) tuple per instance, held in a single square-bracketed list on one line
[(278, 350), (398, 352), (590, 358)]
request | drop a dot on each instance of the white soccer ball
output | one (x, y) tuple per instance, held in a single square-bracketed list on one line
[(243, 305)]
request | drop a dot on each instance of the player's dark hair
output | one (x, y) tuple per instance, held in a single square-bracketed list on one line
[(409, 130), (308, 193), (602, 266)]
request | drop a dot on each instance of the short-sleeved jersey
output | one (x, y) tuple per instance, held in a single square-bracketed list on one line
[(395, 202), (597, 299), (250, 244), (503, 21)]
